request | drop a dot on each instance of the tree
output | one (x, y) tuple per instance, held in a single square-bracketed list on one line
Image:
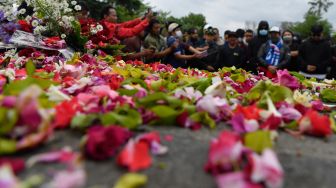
[(314, 16), (304, 27), (126, 9), (317, 7), (192, 20)]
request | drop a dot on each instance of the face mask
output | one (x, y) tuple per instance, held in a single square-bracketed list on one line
[(245, 42), (179, 34), (287, 39), (263, 32)]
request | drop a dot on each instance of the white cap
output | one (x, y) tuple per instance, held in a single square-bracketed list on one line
[(206, 27), (275, 29), (172, 27)]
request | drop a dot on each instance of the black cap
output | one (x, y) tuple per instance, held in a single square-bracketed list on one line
[(232, 34), (316, 29)]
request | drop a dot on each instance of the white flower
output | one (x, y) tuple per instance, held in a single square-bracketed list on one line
[(28, 18), (56, 95), (63, 36), (74, 3), (93, 31), (35, 23), (100, 28), (22, 11), (78, 8)]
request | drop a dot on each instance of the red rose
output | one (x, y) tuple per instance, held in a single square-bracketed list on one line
[(16, 164), (315, 124), (103, 142), (24, 26), (65, 112)]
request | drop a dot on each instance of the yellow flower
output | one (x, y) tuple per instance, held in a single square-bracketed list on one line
[(302, 98)]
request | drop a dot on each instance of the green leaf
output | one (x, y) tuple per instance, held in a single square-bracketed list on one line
[(202, 84), (7, 146), (17, 86), (166, 114), (277, 93), (328, 95), (258, 141), (152, 100), (30, 67), (127, 92), (8, 118), (125, 117), (82, 121), (131, 180), (204, 119)]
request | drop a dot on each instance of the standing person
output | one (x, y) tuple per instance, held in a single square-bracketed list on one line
[(240, 34), (248, 36), (218, 38), (315, 55), (193, 38), (273, 54), (254, 46), (119, 31), (231, 54), (178, 58), (156, 42), (288, 39)]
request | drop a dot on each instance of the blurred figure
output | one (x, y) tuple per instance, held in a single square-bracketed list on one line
[(226, 35), (240, 34), (194, 39), (315, 55), (84, 19), (231, 54), (114, 30), (254, 46), (248, 36), (134, 46), (288, 39), (178, 58), (155, 42), (218, 38), (274, 54)]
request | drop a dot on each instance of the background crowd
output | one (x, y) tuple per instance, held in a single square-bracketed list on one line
[(266, 49)]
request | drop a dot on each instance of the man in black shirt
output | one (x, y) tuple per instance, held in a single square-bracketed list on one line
[(231, 54), (315, 55)]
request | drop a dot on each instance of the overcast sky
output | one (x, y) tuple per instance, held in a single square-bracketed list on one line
[(232, 14)]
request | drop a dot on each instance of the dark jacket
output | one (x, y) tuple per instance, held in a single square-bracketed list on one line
[(229, 57), (317, 54), (284, 55), (252, 52)]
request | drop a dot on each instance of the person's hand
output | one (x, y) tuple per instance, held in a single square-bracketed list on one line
[(210, 68), (149, 15), (272, 69), (311, 68), (198, 55), (148, 52)]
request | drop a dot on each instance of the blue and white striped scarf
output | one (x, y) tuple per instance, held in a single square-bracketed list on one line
[(273, 54)]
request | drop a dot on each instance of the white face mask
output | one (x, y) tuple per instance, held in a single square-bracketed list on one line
[(179, 34)]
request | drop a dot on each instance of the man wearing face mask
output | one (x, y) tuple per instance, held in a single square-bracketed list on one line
[(178, 57), (315, 55), (254, 46), (288, 38), (274, 54)]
